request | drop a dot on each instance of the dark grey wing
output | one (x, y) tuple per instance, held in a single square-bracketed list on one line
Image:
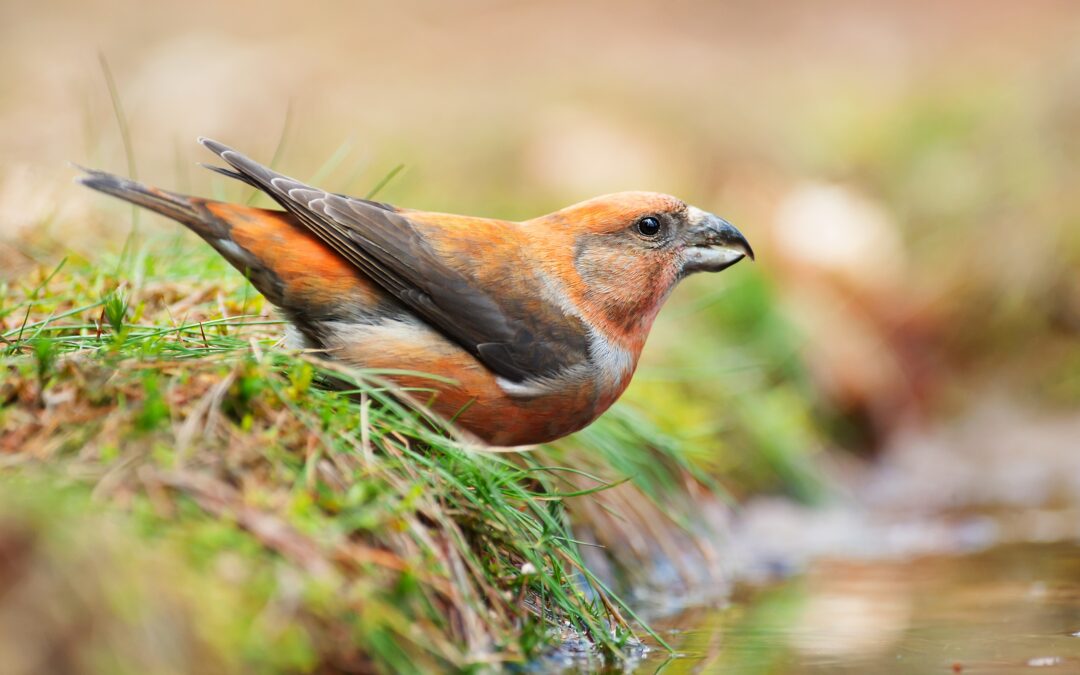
[(510, 338), (235, 175)]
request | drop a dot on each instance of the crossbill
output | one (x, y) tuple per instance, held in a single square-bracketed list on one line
[(534, 327)]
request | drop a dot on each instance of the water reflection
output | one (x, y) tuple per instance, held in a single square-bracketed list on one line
[(1014, 608)]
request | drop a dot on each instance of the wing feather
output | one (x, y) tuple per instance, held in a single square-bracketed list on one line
[(510, 340)]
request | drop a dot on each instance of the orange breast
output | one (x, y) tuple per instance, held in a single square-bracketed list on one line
[(474, 399)]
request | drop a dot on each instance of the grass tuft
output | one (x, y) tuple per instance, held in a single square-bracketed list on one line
[(339, 529)]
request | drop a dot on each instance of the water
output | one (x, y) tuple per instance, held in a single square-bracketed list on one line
[(957, 551), (1010, 609)]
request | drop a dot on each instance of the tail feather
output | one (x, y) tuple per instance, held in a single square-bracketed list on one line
[(190, 211), (216, 222)]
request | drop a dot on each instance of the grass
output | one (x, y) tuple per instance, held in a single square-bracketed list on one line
[(304, 528)]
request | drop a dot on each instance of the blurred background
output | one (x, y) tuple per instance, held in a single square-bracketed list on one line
[(907, 171)]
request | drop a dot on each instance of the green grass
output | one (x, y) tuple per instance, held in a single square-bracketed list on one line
[(310, 527)]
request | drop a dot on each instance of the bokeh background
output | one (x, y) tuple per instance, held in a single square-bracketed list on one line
[(907, 172)]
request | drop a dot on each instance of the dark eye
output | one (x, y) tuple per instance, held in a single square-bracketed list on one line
[(649, 226)]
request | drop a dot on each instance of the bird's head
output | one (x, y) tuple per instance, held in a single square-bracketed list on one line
[(628, 250)]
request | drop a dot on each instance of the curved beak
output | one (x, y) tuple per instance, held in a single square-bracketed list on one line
[(712, 243)]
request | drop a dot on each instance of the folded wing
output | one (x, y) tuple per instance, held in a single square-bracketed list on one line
[(505, 333)]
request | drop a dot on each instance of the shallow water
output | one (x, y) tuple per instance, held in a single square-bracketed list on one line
[(1009, 609)]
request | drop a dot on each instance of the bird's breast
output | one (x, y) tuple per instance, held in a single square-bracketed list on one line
[(613, 365), (462, 389)]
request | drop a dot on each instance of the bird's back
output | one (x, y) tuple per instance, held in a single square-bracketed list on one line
[(337, 308)]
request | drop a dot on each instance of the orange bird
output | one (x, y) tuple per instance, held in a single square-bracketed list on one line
[(537, 325)]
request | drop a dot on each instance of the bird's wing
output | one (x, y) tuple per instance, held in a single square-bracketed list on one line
[(507, 334)]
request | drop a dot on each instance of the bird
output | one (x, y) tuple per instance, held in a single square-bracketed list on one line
[(531, 329)]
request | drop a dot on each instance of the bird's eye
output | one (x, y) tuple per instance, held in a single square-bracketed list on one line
[(649, 226)]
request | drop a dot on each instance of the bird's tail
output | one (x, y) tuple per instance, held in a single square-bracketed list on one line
[(190, 211)]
